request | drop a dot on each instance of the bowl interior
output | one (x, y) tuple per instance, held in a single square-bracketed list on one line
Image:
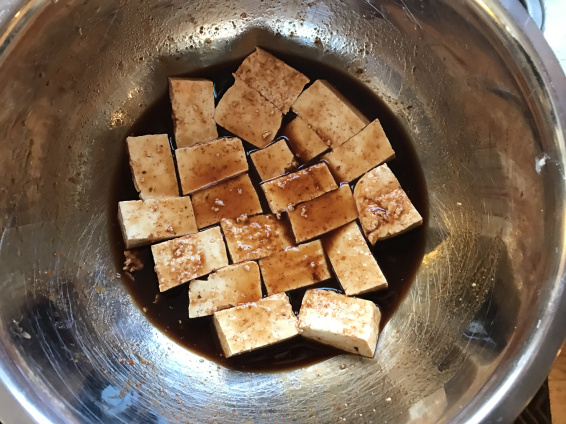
[(75, 77)]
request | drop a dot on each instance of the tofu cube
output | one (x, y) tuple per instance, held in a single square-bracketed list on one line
[(333, 117), (192, 100), (364, 151), (323, 214), (244, 112), (274, 160), (153, 170), (255, 325), (228, 199), (228, 287), (304, 141), (206, 164), (273, 78), (255, 237), (285, 192), (344, 322), (182, 259), (384, 208), (153, 220), (354, 265), (294, 268)]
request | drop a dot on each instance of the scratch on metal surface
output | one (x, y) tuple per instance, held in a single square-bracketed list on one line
[(410, 14), (50, 355), (379, 12), (5, 230), (108, 28)]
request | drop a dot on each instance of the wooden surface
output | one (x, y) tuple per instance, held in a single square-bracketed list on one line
[(557, 388)]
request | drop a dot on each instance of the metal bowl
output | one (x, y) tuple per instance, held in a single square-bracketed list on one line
[(484, 102)]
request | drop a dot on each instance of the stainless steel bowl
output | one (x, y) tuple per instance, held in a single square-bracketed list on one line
[(481, 324)]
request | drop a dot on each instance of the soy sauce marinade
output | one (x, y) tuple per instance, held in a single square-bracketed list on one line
[(399, 257)]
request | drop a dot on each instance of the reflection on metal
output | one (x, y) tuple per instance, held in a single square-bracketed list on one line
[(477, 331), (536, 11), (554, 29)]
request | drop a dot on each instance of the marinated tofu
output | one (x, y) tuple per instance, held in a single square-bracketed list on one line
[(182, 259), (323, 214), (152, 166), (333, 117), (274, 160), (274, 79), (354, 265), (228, 287), (344, 322), (364, 151), (285, 192), (294, 268), (192, 101), (206, 164), (254, 325), (304, 141), (307, 238), (244, 112), (385, 209), (228, 199), (255, 237), (149, 221)]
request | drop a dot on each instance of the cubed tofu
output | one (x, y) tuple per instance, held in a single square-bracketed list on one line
[(344, 322), (304, 141), (285, 192), (228, 199), (333, 117), (153, 220), (192, 100), (228, 287), (364, 151), (153, 170), (273, 78), (255, 237), (244, 112), (255, 325), (323, 214), (274, 160), (294, 268), (354, 265), (385, 209), (182, 259), (206, 164)]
